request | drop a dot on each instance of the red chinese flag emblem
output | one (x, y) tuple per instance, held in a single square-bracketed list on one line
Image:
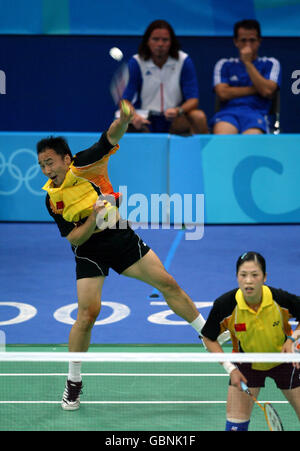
[(241, 327), (60, 205)]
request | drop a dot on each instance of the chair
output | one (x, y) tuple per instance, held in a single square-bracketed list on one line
[(274, 113)]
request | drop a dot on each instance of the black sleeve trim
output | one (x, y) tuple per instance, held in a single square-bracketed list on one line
[(287, 300), (93, 153), (221, 309)]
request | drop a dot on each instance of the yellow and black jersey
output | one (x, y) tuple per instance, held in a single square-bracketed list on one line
[(264, 330), (87, 178)]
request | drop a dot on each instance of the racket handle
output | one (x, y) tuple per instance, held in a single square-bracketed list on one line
[(244, 386)]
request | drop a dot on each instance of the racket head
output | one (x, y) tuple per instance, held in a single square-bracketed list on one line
[(119, 82), (272, 417)]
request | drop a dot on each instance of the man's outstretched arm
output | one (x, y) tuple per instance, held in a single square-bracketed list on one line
[(120, 125)]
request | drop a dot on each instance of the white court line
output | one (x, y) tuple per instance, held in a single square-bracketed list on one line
[(119, 374), (116, 402), (130, 402)]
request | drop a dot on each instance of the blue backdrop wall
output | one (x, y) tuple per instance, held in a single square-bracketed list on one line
[(244, 179), (62, 82), (193, 18)]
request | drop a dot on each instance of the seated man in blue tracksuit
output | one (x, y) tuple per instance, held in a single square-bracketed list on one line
[(163, 85), (245, 85)]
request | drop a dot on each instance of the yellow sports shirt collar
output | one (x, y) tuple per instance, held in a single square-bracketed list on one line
[(68, 181), (267, 298)]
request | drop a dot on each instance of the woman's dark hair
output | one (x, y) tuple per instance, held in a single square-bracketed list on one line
[(249, 257), (248, 24), (144, 51), (58, 144)]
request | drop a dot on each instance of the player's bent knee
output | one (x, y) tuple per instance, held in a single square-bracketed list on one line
[(224, 128), (197, 115), (169, 287), (87, 317)]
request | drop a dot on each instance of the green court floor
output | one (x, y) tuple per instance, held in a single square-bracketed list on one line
[(124, 396)]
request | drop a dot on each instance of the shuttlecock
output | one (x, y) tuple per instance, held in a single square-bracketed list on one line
[(116, 53)]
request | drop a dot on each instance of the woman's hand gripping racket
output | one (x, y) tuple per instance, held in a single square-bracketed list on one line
[(272, 417)]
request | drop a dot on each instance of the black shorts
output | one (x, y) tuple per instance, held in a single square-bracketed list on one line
[(285, 375), (116, 248)]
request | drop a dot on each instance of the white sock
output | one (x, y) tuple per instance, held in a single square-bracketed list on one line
[(74, 372), (236, 420), (198, 323)]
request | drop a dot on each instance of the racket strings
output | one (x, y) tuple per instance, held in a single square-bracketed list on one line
[(272, 417)]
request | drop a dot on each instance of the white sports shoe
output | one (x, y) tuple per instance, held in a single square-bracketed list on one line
[(71, 396)]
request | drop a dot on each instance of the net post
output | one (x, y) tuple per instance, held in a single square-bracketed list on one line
[(2, 341)]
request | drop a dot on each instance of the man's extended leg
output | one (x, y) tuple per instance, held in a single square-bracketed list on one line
[(89, 303), (150, 269)]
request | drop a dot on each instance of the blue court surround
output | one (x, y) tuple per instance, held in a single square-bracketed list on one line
[(244, 179), (37, 269)]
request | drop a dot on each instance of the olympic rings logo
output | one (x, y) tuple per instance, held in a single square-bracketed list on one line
[(16, 173)]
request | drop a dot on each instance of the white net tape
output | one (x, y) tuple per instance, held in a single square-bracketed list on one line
[(147, 357)]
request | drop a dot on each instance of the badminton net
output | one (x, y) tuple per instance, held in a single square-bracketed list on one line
[(129, 391)]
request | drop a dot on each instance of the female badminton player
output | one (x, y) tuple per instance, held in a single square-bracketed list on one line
[(257, 317)]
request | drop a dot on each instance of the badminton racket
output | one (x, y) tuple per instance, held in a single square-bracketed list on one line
[(271, 416), (119, 82)]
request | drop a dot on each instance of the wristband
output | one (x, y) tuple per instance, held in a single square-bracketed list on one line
[(291, 338), (228, 367), (180, 111)]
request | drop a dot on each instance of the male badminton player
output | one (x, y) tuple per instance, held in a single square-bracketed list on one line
[(72, 191), (257, 317)]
